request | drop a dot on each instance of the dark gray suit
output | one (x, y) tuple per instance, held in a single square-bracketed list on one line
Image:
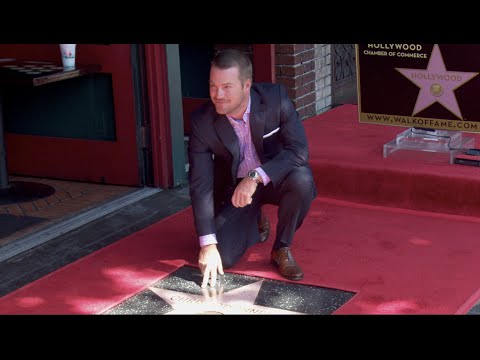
[(281, 145)]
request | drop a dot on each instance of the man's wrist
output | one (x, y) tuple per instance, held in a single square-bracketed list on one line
[(209, 245), (253, 181)]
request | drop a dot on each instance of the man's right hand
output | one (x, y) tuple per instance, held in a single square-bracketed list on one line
[(210, 263)]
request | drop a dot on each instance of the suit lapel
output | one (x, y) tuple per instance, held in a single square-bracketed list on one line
[(257, 123), (229, 139)]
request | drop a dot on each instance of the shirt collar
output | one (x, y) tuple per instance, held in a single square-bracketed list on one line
[(248, 106), (246, 115)]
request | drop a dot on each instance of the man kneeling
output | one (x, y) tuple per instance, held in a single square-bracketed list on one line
[(247, 148)]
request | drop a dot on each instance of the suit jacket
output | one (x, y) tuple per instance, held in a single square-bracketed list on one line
[(213, 150)]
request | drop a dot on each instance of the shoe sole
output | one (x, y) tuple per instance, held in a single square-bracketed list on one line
[(295, 278)]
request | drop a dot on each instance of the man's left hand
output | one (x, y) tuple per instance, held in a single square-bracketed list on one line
[(243, 193)]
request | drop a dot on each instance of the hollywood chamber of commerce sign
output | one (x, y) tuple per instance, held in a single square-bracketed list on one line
[(420, 85)]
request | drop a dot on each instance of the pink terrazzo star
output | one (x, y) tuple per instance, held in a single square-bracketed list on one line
[(437, 84)]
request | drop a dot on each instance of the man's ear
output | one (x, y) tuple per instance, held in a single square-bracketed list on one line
[(248, 84)]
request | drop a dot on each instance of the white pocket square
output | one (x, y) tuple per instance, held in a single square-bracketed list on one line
[(271, 133)]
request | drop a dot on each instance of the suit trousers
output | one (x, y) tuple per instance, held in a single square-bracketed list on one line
[(237, 228)]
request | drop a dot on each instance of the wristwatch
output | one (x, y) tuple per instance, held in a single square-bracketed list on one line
[(254, 175)]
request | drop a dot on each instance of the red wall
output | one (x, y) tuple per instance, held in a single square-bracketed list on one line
[(114, 59)]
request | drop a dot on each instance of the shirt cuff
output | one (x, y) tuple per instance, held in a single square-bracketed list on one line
[(208, 239), (263, 175)]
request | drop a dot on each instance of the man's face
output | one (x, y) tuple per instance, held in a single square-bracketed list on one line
[(227, 93)]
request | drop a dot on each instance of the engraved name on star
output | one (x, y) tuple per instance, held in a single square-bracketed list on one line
[(437, 84), (238, 301)]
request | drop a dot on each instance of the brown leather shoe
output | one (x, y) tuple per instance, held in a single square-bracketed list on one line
[(263, 228), (286, 264)]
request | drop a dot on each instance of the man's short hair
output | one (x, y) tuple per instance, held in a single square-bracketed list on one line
[(229, 58)]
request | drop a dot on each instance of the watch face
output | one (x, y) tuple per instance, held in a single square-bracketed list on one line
[(253, 174)]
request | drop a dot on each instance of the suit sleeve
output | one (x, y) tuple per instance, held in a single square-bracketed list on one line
[(201, 176), (294, 151)]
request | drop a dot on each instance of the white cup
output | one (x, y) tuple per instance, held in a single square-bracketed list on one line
[(68, 56)]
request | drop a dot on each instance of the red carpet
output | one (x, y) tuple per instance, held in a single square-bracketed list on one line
[(397, 260), (347, 159)]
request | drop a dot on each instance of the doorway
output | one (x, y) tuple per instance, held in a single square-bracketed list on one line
[(344, 75), (195, 71)]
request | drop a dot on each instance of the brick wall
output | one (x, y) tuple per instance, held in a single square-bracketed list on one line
[(305, 69), (323, 77)]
